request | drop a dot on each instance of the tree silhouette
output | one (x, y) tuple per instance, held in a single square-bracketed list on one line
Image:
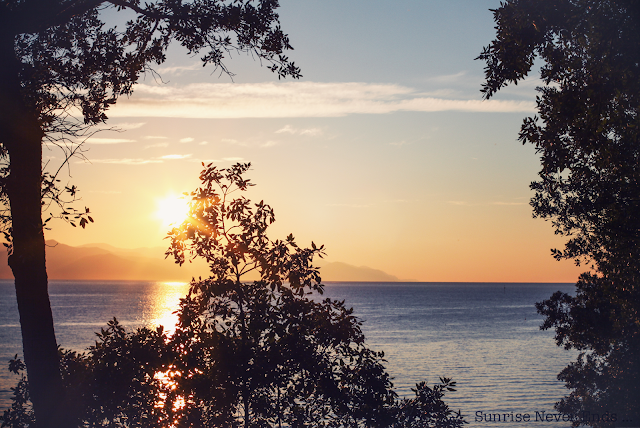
[(58, 56), (587, 134), (263, 353)]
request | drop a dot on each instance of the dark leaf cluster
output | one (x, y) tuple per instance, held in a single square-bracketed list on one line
[(588, 121), (587, 133), (70, 58)]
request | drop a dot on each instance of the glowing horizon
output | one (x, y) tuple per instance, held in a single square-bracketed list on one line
[(384, 151)]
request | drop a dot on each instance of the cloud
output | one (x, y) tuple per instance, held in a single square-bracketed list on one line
[(178, 70), (130, 125), (154, 137), (270, 143), (156, 145), (93, 140), (125, 161), (288, 129), (449, 78), (311, 131), (203, 143), (175, 156), (186, 140), (294, 99)]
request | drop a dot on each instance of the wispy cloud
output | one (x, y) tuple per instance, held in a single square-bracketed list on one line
[(449, 78), (186, 140), (178, 70), (288, 129), (125, 161), (156, 145), (175, 156), (93, 140), (294, 99), (130, 125), (270, 143)]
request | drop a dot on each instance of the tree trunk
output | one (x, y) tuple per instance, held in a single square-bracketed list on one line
[(22, 135)]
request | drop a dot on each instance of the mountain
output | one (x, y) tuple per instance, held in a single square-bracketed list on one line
[(103, 262), (338, 271), (106, 262)]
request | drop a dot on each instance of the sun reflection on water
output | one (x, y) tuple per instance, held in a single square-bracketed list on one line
[(166, 301)]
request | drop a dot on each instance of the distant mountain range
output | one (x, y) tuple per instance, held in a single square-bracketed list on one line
[(105, 262)]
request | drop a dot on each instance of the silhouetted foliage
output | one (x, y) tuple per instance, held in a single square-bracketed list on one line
[(62, 68), (427, 408), (263, 353), (587, 134), (115, 384)]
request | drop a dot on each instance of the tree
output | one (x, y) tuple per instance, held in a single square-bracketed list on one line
[(263, 353), (270, 352), (58, 57), (587, 134)]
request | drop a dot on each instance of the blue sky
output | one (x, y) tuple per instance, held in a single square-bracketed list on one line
[(384, 151)]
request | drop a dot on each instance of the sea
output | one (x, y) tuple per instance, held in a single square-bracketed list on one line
[(485, 336)]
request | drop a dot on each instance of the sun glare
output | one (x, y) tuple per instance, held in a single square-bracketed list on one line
[(171, 210)]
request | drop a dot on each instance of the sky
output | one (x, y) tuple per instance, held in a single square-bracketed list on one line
[(384, 150)]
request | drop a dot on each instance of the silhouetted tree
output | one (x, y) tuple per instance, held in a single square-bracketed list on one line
[(58, 56), (587, 134), (263, 353), (117, 383)]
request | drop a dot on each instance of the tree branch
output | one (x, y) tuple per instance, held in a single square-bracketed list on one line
[(33, 16)]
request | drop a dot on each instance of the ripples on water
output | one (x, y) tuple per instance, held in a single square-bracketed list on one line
[(484, 336)]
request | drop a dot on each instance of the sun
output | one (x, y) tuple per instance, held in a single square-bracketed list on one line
[(171, 210)]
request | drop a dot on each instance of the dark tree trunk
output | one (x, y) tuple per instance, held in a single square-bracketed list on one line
[(22, 135)]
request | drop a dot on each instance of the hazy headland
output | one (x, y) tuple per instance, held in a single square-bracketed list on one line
[(106, 262)]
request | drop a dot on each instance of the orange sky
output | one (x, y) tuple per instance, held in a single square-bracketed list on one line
[(391, 162)]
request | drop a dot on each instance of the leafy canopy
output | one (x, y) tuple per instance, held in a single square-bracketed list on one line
[(587, 135)]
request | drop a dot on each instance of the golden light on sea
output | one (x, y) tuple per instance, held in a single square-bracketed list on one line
[(166, 303)]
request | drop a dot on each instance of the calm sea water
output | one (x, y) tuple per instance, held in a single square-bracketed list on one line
[(484, 336)]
